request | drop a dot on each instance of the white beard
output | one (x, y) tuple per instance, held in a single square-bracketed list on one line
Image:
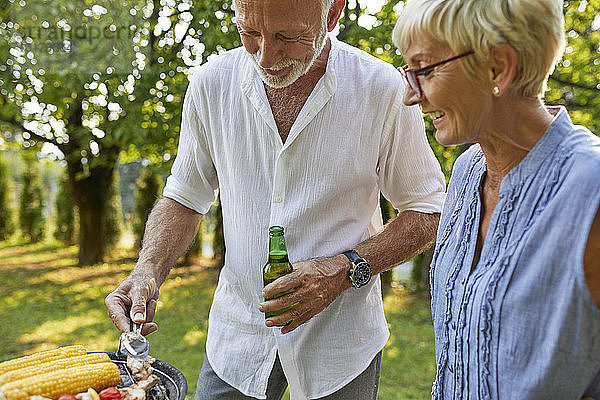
[(298, 69)]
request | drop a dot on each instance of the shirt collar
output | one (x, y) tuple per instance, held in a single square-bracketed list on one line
[(253, 88), (544, 149)]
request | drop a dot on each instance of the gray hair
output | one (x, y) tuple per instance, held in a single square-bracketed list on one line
[(325, 6), (534, 28)]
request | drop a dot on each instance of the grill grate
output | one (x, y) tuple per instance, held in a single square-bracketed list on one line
[(172, 386)]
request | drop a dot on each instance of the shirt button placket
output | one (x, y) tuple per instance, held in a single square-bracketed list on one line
[(280, 179)]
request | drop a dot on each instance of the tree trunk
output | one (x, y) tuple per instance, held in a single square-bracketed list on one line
[(90, 193), (420, 272), (90, 180)]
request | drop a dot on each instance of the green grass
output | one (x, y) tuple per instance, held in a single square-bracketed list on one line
[(48, 301)]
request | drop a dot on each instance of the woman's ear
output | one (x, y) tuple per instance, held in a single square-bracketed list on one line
[(502, 68)]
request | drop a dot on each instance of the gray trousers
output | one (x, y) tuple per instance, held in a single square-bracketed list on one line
[(363, 387)]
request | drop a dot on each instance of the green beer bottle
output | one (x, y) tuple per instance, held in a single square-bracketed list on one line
[(277, 264)]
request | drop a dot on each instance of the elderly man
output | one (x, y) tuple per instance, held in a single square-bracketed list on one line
[(299, 130)]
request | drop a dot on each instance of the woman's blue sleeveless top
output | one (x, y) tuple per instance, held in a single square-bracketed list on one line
[(522, 324)]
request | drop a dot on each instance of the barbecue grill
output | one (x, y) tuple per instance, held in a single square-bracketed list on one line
[(172, 386)]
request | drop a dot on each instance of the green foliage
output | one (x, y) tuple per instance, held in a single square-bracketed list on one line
[(195, 249), (205, 230), (408, 364), (375, 38), (31, 204), (121, 63), (72, 73), (387, 212), (6, 211), (114, 215), (65, 212), (576, 81), (218, 243), (419, 275), (211, 228), (147, 193)]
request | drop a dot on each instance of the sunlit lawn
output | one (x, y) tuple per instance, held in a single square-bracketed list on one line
[(46, 300)]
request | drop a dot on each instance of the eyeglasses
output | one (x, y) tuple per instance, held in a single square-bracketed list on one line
[(412, 75)]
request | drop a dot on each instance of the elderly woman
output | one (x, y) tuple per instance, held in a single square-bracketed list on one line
[(516, 271)]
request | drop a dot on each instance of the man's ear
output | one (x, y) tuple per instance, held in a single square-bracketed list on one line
[(334, 13), (502, 68)]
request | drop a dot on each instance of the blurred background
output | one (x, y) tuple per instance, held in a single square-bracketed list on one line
[(90, 105)]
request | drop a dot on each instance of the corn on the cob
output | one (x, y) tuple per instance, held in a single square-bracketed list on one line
[(41, 357), (64, 381), (13, 394), (55, 365)]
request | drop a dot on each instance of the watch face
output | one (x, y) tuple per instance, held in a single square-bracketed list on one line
[(362, 274)]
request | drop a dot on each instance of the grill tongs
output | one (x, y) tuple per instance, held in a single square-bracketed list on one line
[(133, 343)]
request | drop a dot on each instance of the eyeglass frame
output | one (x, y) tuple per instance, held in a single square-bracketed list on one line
[(409, 73)]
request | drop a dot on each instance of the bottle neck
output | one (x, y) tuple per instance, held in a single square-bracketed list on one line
[(277, 245)]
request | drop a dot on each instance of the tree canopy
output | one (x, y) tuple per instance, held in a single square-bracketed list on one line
[(95, 81), (92, 82)]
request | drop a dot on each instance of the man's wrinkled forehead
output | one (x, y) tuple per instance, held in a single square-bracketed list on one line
[(305, 3), (264, 4), (279, 14)]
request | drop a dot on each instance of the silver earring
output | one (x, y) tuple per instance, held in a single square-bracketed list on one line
[(496, 90)]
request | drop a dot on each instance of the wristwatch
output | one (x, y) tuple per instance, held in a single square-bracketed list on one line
[(360, 271)]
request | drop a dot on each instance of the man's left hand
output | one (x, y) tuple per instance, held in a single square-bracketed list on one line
[(315, 283)]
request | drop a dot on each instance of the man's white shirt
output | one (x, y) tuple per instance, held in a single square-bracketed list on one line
[(352, 139)]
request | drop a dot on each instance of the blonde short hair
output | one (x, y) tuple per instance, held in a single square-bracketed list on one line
[(534, 28)]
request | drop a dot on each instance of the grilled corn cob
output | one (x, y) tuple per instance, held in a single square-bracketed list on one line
[(41, 357), (55, 365), (64, 381)]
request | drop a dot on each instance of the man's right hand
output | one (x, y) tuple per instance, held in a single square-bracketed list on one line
[(133, 300)]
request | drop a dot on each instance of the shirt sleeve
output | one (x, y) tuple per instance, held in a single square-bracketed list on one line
[(410, 176), (193, 181)]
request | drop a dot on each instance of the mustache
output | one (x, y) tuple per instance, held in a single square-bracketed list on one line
[(286, 62)]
